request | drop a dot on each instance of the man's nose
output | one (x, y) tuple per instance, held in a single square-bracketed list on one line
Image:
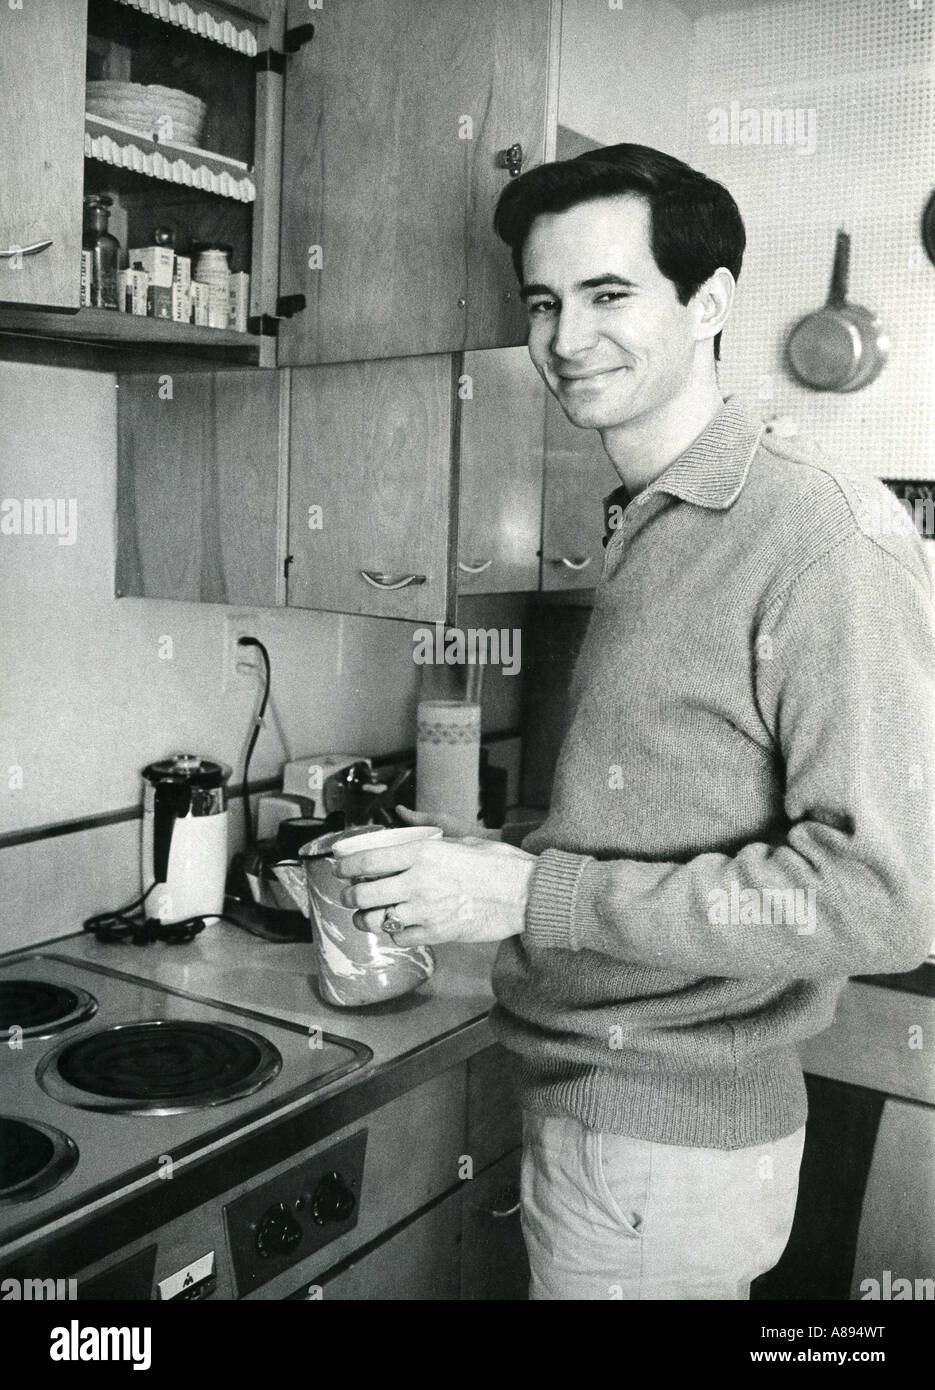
[(574, 332)]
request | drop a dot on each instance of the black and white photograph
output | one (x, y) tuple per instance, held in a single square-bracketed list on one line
[(467, 693)]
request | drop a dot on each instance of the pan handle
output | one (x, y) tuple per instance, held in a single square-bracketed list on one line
[(837, 292)]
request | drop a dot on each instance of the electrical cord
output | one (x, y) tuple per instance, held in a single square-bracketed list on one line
[(130, 923), (257, 726)]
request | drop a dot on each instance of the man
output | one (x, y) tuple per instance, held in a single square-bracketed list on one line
[(742, 813)]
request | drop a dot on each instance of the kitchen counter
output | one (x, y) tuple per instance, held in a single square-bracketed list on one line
[(233, 967), (230, 966), (425, 1048), (877, 1041)]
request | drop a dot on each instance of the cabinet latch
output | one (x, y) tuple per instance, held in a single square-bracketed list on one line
[(289, 304), (298, 37), (511, 159)]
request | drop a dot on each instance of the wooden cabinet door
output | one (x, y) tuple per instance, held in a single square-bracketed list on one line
[(201, 487), (42, 56), (502, 427), (372, 515), (578, 476), (494, 1265), (418, 1264), (395, 112), (494, 1119)]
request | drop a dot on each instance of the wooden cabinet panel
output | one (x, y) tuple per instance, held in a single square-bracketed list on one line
[(502, 426), (370, 487), (394, 114), (578, 475), (420, 1263), (494, 1119), (494, 1265), (42, 152), (507, 90), (200, 488), (897, 1229)]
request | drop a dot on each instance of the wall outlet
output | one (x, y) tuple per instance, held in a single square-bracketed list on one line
[(240, 663)]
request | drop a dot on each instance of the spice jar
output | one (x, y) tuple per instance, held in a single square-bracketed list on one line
[(213, 265)]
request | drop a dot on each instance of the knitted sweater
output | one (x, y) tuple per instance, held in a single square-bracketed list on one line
[(742, 813)]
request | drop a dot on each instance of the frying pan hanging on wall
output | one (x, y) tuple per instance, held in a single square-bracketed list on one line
[(842, 346), (928, 227)]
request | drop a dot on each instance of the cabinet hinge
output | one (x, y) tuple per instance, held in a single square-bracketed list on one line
[(270, 60), (298, 37), (286, 565), (263, 326)]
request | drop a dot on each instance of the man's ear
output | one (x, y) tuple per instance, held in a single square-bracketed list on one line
[(713, 302)]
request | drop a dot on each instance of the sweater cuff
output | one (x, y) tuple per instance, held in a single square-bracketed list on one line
[(551, 905)]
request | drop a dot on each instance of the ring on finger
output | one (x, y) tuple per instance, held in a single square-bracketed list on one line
[(391, 922)]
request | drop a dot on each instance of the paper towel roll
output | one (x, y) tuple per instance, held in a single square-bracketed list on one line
[(448, 759)]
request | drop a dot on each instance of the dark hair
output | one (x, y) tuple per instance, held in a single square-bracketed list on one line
[(695, 225)]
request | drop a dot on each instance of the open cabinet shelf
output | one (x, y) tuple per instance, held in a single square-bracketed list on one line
[(105, 340), (198, 20), (170, 162)]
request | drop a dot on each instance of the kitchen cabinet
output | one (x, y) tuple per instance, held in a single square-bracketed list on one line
[(460, 1237), (494, 1264), (372, 506), (224, 191), (867, 1184), (403, 121), (578, 475), (395, 119), (493, 1255), (500, 493), (467, 1247), (383, 488), (41, 153), (420, 1263), (201, 487)]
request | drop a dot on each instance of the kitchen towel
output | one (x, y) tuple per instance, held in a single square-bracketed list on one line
[(448, 759)]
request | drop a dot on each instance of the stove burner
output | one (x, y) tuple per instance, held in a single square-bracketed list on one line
[(42, 1009), (160, 1067), (33, 1158)]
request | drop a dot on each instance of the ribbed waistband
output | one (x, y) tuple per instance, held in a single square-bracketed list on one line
[(766, 1102)]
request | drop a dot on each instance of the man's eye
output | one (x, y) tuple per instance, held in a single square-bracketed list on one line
[(611, 296), (542, 306)]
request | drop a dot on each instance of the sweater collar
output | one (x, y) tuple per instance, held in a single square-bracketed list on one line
[(712, 470)]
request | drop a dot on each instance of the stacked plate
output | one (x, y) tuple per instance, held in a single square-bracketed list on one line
[(163, 112)]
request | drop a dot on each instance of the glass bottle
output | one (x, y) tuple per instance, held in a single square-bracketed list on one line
[(105, 251)]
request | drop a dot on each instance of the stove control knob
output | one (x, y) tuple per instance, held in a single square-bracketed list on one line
[(278, 1232), (333, 1200)]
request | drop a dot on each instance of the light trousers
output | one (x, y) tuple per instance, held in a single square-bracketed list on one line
[(605, 1216)]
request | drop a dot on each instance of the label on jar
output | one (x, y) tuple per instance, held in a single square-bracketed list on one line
[(218, 306)]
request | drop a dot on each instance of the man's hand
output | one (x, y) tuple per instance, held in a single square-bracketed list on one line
[(441, 890)]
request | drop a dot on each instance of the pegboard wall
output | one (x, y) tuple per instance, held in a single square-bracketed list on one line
[(854, 147)]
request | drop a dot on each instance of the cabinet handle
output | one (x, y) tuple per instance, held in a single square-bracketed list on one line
[(383, 581), (477, 567), (33, 250), (572, 564), (511, 159), (510, 1198)]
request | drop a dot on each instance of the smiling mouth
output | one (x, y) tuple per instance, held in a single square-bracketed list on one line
[(588, 376)]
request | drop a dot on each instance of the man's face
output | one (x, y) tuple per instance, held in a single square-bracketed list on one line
[(607, 333)]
